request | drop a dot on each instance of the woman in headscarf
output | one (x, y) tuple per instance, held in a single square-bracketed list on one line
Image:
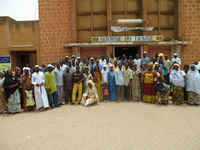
[(27, 90), (18, 75), (162, 88), (3, 103), (193, 86), (87, 76), (177, 79), (112, 84), (149, 80), (90, 96), (98, 80), (11, 86)]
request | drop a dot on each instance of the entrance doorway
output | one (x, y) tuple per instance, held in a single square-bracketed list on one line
[(21, 58), (128, 51)]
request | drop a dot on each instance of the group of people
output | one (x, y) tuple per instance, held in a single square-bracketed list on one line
[(89, 81)]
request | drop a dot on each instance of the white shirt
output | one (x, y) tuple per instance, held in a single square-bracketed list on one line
[(64, 66), (59, 76), (105, 75), (38, 78), (119, 77), (138, 62)]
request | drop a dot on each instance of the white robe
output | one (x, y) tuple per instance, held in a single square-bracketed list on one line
[(193, 82), (177, 78), (41, 98)]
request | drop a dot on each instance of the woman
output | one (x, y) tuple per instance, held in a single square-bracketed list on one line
[(112, 84), (193, 86), (149, 80), (87, 76), (90, 96), (11, 86), (27, 90), (177, 79), (98, 80), (162, 88), (3, 104)]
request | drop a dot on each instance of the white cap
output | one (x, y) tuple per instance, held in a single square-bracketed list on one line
[(26, 68), (175, 54), (50, 65), (156, 63), (78, 57), (37, 66), (145, 52), (66, 56)]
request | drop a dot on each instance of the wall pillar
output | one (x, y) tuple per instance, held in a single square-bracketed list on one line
[(109, 51)]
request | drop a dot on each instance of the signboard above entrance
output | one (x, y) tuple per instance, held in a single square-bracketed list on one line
[(103, 39)]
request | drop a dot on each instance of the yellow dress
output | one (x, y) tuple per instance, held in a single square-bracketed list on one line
[(149, 87), (29, 98), (98, 84)]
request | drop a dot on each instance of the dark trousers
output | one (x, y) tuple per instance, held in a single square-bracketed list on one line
[(127, 92), (68, 95), (53, 99)]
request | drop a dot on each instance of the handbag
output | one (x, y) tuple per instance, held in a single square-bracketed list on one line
[(105, 92)]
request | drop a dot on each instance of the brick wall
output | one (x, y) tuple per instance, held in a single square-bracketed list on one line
[(55, 29), (58, 26), (189, 22), (153, 50)]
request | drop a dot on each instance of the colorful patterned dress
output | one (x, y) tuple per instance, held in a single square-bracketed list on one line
[(149, 87)]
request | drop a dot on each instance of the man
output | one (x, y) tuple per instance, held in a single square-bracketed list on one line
[(77, 78), (119, 78), (91, 65), (50, 85), (145, 60), (135, 88), (116, 67), (73, 66), (176, 59), (98, 64), (128, 76), (79, 63), (59, 81), (137, 61), (67, 86), (123, 59), (38, 80)]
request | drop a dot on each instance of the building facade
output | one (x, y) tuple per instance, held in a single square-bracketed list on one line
[(20, 41), (72, 27), (66, 27)]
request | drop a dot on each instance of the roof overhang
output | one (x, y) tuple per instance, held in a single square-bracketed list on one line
[(160, 43)]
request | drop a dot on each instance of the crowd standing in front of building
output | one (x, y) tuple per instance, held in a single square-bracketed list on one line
[(93, 80)]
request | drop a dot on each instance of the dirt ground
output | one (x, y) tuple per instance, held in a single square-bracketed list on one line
[(107, 126)]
